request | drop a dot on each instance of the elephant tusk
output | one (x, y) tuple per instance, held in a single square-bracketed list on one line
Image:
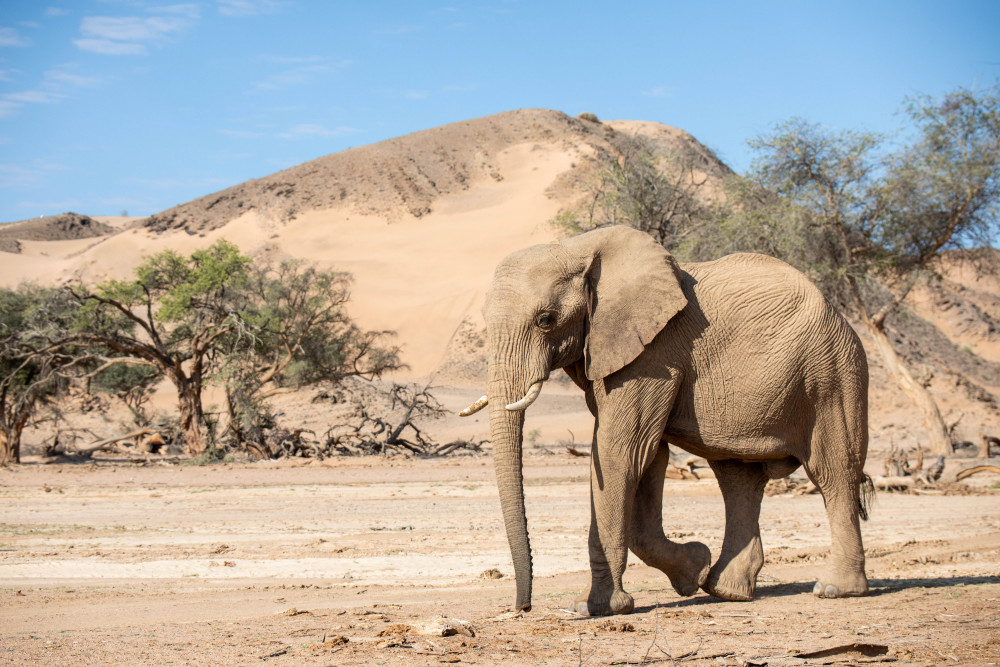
[(528, 399), (475, 407)]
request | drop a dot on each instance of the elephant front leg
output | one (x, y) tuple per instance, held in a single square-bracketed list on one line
[(631, 415), (610, 515), (734, 575), (685, 564)]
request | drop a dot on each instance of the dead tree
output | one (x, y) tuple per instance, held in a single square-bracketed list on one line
[(376, 421)]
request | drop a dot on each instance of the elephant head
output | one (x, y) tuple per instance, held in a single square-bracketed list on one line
[(592, 302)]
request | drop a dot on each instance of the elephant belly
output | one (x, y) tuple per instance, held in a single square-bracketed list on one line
[(779, 454)]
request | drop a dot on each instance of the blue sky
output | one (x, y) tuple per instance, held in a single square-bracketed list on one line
[(112, 105)]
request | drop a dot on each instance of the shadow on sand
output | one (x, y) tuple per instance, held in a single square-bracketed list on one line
[(877, 587)]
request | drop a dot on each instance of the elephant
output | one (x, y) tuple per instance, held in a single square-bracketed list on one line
[(740, 360)]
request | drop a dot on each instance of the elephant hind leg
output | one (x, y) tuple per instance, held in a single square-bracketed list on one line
[(734, 575), (686, 565), (836, 466)]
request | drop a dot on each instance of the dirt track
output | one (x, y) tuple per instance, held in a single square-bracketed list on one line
[(235, 564)]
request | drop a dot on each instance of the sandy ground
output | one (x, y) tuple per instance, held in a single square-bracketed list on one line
[(354, 562)]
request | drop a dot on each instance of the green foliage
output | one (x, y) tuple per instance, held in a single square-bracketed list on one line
[(173, 316), (30, 317), (199, 283), (300, 333), (755, 220), (303, 330), (210, 316), (643, 189), (123, 377), (23, 328), (859, 218), (943, 191), (571, 222)]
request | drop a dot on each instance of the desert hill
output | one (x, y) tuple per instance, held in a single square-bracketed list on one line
[(411, 175), (63, 227), (421, 220)]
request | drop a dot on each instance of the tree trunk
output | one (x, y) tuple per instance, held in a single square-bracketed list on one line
[(191, 414), (10, 439), (10, 450), (937, 432), (95, 446)]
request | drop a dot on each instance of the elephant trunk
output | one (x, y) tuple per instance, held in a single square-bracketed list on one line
[(506, 428)]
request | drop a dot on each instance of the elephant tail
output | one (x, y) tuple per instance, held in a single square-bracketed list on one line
[(866, 497)]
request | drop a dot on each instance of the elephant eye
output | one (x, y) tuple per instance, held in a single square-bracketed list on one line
[(545, 320)]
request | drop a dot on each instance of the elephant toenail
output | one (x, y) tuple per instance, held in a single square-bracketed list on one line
[(831, 591), (818, 588)]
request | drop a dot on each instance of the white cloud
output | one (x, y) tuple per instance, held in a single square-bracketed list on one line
[(307, 130), (29, 24), (131, 35), (658, 91), (22, 176), (131, 28), (5, 74), (34, 97), (249, 7), (59, 78), (56, 84), (191, 11), (109, 48), (8, 109), (55, 11), (10, 37)]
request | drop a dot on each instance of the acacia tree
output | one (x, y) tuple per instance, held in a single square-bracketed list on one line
[(302, 334), (29, 316), (867, 223), (171, 317), (635, 186)]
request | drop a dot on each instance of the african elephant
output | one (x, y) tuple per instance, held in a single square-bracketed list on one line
[(739, 360)]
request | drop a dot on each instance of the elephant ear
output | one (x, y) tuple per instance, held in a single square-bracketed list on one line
[(635, 289)]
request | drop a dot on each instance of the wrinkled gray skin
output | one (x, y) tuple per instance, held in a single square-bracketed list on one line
[(740, 360)]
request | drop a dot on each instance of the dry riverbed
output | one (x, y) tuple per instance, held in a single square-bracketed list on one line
[(360, 562)]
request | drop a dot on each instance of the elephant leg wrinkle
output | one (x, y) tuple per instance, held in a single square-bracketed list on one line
[(734, 575), (686, 565)]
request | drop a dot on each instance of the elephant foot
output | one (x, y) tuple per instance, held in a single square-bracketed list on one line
[(730, 589), (693, 571), (841, 587), (735, 579), (589, 605)]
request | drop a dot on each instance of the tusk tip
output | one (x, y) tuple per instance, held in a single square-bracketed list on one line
[(475, 407), (528, 399)]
